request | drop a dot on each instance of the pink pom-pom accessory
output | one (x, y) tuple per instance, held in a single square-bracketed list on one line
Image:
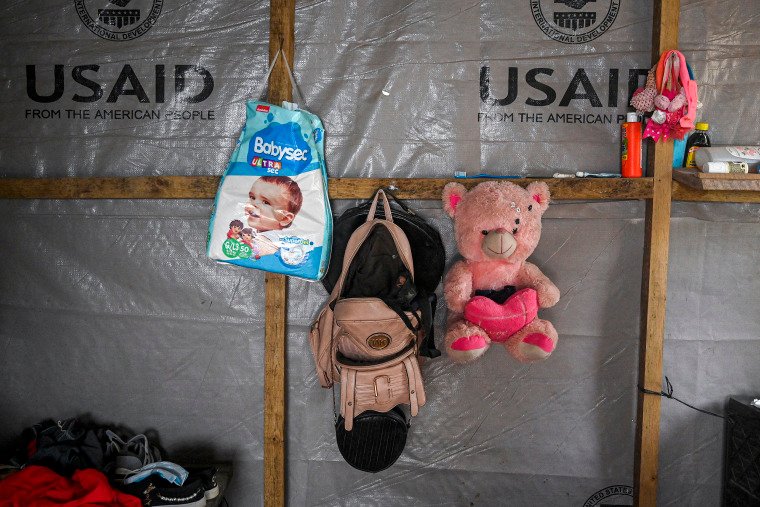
[(678, 102), (661, 102), (643, 98)]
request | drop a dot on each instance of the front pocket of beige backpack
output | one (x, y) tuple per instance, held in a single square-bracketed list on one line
[(370, 329)]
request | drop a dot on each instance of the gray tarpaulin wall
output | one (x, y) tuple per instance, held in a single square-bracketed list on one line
[(110, 308)]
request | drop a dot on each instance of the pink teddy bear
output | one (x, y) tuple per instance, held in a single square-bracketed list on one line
[(494, 295)]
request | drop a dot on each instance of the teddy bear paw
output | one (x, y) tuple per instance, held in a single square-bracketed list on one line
[(534, 343), (466, 343)]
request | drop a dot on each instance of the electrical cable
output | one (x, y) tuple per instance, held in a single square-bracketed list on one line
[(668, 393)]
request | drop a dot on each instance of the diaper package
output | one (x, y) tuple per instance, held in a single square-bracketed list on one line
[(272, 210)]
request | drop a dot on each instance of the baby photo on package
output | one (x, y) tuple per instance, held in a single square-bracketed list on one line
[(272, 211)]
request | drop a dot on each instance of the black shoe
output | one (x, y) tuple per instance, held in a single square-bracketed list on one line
[(157, 493), (207, 476)]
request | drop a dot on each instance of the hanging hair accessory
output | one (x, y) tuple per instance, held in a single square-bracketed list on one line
[(643, 98), (676, 103), (679, 102)]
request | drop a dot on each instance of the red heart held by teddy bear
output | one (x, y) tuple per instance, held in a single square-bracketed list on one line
[(501, 321)]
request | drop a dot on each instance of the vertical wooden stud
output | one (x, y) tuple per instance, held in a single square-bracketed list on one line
[(654, 284), (281, 36), (274, 390)]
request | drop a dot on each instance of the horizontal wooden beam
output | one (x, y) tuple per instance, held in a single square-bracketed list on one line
[(431, 188), (140, 187), (204, 187)]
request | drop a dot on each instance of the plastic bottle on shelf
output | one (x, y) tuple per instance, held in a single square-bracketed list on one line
[(725, 167), (697, 140), (748, 154), (630, 147), (679, 151)]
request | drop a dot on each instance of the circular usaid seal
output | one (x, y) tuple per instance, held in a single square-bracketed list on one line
[(612, 495), (118, 20), (574, 21)]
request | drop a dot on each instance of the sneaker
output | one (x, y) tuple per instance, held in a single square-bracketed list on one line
[(207, 477), (130, 456), (158, 493)]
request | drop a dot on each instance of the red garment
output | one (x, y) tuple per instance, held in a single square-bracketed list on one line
[(37, 486)]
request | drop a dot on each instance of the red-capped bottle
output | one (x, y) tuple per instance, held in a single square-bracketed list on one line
[(630, 147)]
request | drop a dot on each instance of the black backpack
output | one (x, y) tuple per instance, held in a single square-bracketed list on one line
[(427, 247)]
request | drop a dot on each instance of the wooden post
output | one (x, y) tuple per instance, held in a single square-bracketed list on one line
[(654, 283), (281, 36)]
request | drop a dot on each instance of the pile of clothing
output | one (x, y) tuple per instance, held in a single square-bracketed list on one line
[(73, 463)]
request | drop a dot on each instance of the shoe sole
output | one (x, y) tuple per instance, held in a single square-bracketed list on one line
[(168, 501), (197, 503), (212, 493)]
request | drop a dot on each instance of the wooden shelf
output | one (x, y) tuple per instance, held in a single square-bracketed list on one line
[(204, 187), (682, 192), (722, 182)]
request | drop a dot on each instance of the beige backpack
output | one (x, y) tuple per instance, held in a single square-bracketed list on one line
[(367, 337)]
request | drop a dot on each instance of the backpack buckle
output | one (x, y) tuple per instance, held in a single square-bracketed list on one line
[(382, 384)]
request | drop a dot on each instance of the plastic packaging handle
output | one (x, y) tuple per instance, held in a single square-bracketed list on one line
[(386, 207), (265, 82)]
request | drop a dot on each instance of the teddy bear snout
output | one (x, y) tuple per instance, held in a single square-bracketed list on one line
[(499, 244)]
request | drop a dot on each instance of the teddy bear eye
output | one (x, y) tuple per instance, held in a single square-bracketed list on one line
[(517, 221), (530, 207), (484, 232)]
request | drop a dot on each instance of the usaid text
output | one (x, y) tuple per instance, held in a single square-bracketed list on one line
[(192, 84), (537, 87)]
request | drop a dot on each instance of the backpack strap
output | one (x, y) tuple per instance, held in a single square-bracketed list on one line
[(393, 305), (412, 379), (386, 207), (398, 201), (356, 240), (427, 347), (348, 396)]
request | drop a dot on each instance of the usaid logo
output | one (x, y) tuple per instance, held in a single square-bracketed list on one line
[(118, 20), (574, 21)]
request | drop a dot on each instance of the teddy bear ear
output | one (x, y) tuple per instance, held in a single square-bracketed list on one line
[(452, 194), (539, 191)]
